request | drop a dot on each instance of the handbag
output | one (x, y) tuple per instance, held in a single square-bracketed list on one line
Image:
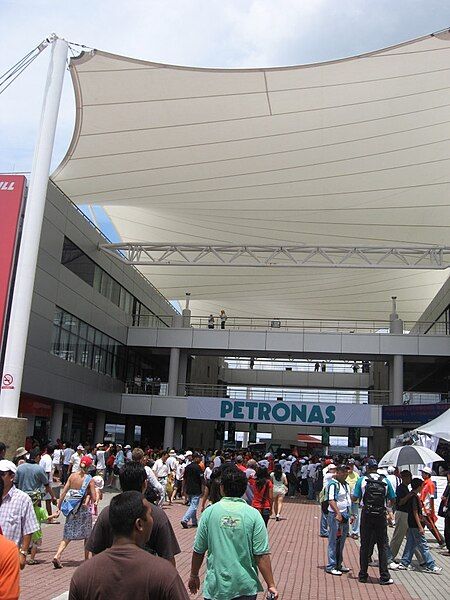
[(443, 508), (73, 504)]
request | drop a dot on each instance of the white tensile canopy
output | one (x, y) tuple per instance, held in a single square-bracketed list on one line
[(348, 152), (438, 427)]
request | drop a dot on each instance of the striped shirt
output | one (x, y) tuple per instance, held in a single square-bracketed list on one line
[(17, 516)]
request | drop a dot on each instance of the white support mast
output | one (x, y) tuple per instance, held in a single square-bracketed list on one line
[(31, 233)]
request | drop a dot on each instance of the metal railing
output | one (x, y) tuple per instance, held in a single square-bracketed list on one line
[(297, 365), (380, 397), (295, 325)]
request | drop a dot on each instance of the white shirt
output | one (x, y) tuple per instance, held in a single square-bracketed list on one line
[(341, 494), (75, 460), (153, 481), (46, 464), (172, 463), (67, 455), (160, 469), (101, 464), (179, 474), (207, 473), (217, 461), (304, 471), (287, 466), (311, 470), (57, 453)]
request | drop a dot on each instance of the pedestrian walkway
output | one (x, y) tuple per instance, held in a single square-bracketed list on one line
[(298, 559)]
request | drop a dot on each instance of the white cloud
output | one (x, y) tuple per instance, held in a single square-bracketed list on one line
[(228, 33)]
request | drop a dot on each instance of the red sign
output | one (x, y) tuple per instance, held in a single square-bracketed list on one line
[(7, 383), (12, 188)]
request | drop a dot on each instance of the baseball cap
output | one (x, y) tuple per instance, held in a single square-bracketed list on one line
[(172, 453), (372, 462), (188, 453), (20, 452), (80, 447), (391, 470), (328, 461), (331, 466), (268, 455), (86, 461), (99, 445), (98, 481), (426, 470), (7, 465), (127, 447), (181, 457)]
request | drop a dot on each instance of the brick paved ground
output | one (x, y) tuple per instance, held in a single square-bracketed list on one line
[(298, 558)]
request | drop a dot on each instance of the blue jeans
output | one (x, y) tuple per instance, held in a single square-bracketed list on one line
[(355, 525), (414, 540), (311, 493), (333, 526), (191, 512), (323, 523)]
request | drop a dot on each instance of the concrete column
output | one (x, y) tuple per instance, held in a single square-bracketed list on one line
[(100, 423), (174, 367), (56, 421), (69, 412), (169, 429), (178, 434), (186, 316), (396, 364), (182, 369)]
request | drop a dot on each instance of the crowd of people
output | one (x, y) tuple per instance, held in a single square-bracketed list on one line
[(229, 498)]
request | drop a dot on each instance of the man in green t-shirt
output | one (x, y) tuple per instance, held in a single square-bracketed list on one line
[(235, 538)]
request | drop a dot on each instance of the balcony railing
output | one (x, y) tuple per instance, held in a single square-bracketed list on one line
[(380, 397), (294, 325)]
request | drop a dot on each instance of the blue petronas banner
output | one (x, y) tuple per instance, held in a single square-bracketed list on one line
[(287, 413)]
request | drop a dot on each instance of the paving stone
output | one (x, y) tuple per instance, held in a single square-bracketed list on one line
[(298, 559)]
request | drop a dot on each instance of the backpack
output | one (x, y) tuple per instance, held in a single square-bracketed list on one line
[(374, 498)]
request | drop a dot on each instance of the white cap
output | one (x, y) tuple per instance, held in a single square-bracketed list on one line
[(331, 466), (98, 482), (181, 457), (188, 453), (80, 447), (264, 463), (283, 455), (391, 470), (268, 455), (127, 447), (172, 453), (426, 470), (7, 465)]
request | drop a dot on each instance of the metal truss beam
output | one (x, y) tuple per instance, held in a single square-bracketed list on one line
[(222, 255)]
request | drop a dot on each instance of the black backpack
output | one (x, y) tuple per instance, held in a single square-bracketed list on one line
[(374, 498)]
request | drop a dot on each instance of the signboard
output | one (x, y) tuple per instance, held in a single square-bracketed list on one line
[(412, 414), (12, 188), (283, 413)]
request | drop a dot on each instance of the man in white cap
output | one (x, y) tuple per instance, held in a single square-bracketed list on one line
[(75, 459), (172, 461), (17, 519), (128, 453)]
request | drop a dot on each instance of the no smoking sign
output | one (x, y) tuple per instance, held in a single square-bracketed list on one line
[(7, 383)]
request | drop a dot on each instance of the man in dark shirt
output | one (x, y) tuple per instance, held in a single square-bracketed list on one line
[(147, 576), (193, 487), (162, 540), (416, 535), (403, 498)]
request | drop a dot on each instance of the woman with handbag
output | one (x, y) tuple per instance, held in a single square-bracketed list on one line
[(280, 482), (262, 488), (73, 503), (444, 511)]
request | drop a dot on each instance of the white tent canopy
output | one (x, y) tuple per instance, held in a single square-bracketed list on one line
[(439, 427), (348, 152)]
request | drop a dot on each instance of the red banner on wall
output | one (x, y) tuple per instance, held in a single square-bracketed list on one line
[(12, 188)]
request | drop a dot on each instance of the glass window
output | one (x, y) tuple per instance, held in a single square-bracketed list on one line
[(106, 284), (57, 317), (83, 329), (91, 333), (78, 262), (115, 292), (97, 278), (55, 340)]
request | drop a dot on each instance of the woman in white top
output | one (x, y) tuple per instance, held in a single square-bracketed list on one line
[(279, 481)]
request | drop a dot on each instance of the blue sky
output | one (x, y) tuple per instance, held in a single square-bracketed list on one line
[(224, 33)]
